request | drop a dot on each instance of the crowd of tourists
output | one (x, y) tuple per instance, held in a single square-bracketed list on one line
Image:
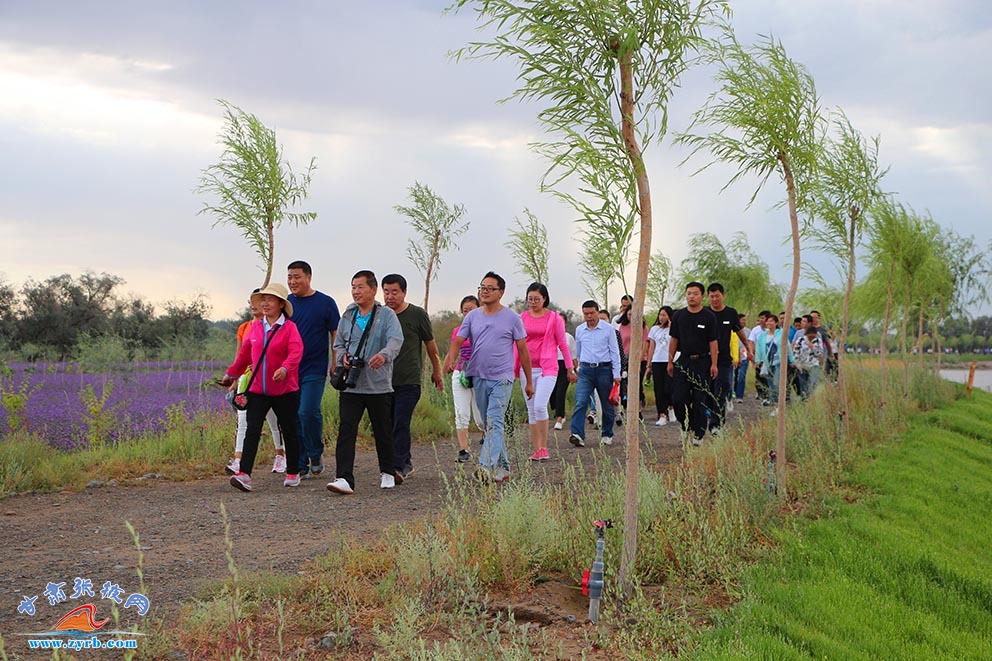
[(696, 358)]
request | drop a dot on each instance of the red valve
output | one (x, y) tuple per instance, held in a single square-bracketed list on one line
[(585, 582)]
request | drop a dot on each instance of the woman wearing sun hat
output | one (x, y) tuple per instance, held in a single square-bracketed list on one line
[(275, 383)]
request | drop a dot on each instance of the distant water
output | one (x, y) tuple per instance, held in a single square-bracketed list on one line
[(983, 378)]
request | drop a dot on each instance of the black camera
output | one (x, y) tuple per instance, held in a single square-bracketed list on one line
[(356, 365)]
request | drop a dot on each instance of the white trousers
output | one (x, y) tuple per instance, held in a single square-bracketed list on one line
[(465, 406), (537, 406), (270, 417)]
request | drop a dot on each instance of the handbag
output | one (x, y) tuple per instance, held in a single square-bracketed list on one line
[(614, 397), (240, 400), (339, 377)]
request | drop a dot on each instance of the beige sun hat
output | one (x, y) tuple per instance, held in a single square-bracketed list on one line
[(278, 290)]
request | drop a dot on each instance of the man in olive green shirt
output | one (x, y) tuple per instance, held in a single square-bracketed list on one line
[(408, 367)]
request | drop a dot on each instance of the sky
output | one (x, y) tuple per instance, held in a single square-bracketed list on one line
[(109, 115)]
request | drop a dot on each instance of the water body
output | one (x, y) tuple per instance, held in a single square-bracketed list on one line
[(983, 378)]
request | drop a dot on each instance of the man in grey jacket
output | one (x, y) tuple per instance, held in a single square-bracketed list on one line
[(373, 388)]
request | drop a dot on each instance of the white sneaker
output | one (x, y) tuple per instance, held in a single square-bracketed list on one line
[(662, 421), (234, 467), (386, 481), (558, 424), (606, 440), (577, 441), (279, 464), (671, 416), (697, 442), (773, 412), (730, 406), (340, 485), (291, 480)]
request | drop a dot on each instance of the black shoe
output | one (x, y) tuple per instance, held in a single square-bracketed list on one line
[(406, 471), (482, 441), (464, 456), (577, 441)]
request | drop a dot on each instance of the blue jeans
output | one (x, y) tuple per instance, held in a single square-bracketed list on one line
[(493, 396), (740, 378), (598, 379), (311, 420), (405, 399)]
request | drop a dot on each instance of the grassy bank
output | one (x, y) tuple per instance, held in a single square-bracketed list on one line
[(451, 586), (903, 571)]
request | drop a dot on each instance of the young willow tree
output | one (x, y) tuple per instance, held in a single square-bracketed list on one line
[(766, 120), (438, 226), (529, 246), (736, 266), (605, 73), (254, 185), (597, 270), (846, 188), (659, 280)]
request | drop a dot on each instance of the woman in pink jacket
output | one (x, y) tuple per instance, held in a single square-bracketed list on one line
[(275, 383), (545, 337)]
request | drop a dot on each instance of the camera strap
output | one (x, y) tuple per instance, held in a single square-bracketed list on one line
[(365, 333), (265, 347)]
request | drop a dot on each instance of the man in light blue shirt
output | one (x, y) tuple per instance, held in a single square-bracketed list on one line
[(599, 368)]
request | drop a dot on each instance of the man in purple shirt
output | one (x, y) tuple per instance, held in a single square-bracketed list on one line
[(493, 330)]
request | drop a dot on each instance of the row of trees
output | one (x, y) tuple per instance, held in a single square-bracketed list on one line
[(50, 319), (604, 75)]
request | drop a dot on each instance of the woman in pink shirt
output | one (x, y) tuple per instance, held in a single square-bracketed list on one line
[(545, 337), (273, 347)]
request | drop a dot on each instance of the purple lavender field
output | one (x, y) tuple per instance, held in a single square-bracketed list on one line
[(140, 395)]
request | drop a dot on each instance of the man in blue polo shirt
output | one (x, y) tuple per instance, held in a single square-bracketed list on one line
[(599, 368), (316, 316)]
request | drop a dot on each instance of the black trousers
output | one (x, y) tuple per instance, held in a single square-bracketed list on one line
[(691, 392), (662, 387), (561, 389), (623, 385), (351, 408), (287, 408)]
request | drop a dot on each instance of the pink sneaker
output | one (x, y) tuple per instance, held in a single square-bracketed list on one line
[(279, 464), (241, 481), (291, 480), (536, 456), (234, 467), (544, 455)]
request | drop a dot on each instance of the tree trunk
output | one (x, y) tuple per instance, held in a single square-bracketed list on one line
[(885, 331), (855, 213), (919, 338), (269, 230), (430, 270), (632, 436), (905, 330), (783, 384)]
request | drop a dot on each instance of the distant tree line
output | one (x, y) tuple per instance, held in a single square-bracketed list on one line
[(63, 316)]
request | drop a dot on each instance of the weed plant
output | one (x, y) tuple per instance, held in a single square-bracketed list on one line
[(425, 590)]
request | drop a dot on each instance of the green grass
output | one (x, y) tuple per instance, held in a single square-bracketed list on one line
[(905, 572)]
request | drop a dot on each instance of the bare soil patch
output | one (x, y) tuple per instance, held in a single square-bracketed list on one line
[(60, 536)]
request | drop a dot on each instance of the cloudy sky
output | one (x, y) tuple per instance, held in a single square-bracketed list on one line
[(108, 114)]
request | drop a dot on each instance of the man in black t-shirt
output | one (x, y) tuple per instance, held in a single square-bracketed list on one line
[(728, 325), (693, 337)]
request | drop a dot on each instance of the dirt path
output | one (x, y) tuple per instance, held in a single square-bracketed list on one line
[(57, 537)]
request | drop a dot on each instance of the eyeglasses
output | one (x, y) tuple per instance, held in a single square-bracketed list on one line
[(488, 290)]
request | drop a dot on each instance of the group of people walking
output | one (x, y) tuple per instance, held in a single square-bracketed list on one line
[(696, 356)]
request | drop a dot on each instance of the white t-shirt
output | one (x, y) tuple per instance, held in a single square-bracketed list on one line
[(755, 332), (571, 348), (661, 340)]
